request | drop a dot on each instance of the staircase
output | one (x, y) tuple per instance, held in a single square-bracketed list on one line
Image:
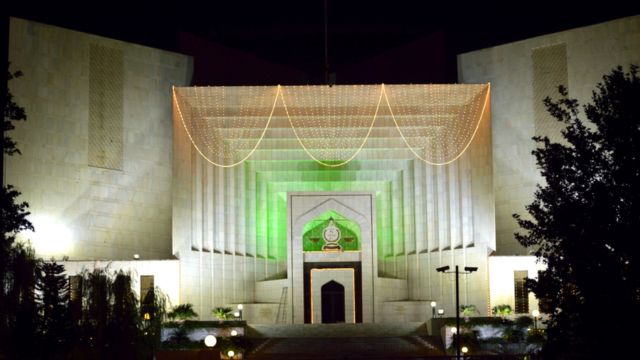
[(341, 341)]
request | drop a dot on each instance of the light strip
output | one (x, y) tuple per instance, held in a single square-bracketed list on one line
[(465, 147), (264, 131), (375, 115), (301, 139)]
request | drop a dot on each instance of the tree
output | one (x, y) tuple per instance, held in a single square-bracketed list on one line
[(16, 262), (182, 312), (124, 323), (12, 112), (53, 300), (153, 309), (21, 303), (96, 292), (584, 221)]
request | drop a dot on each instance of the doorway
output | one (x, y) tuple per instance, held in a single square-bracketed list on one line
[(332, 303)]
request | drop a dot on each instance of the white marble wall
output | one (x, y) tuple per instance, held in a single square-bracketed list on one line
[(81, 211), (166, 274), (592, 51), (501, 278)]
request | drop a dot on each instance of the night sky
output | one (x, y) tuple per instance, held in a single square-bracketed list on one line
[(292, 33)]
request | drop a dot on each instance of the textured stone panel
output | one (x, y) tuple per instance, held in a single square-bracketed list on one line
[(549, 71), (105, 106)]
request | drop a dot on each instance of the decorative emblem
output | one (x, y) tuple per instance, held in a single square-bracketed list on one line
[(331, 236)]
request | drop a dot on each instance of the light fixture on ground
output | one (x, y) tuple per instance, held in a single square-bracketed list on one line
[(467, 270), (464, 350), (231, 354), (210, 341), (441, 312), (234, 332), (536, 315), (433, 309)]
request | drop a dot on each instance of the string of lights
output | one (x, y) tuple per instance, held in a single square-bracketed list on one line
[(332, 124), (327, 127)]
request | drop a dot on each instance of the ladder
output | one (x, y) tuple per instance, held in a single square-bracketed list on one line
[(281, 316)]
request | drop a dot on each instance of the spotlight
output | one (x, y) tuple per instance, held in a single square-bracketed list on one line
[(470, 268), (442, 268), (210, 341)]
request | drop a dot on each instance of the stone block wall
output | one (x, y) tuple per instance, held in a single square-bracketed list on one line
[(97, 157), (521, 75)]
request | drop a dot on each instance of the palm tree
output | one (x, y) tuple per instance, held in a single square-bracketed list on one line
[(223, 313), (182, 312)]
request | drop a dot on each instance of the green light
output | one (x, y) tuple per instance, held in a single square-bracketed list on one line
[(268, 182), (312, 238)]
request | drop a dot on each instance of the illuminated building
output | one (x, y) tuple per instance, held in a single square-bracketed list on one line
[(392, 180)]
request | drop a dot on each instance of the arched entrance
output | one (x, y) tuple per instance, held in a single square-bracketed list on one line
[(345, 219), (332, 303)]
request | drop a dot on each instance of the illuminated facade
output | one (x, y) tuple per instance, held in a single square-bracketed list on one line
[(286, 199)]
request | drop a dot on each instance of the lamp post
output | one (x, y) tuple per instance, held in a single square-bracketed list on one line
[(536, 314), (467, 270), (240, 307), (433, 309)]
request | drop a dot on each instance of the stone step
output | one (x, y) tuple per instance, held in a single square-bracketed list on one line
[(337, 330), (345, 348)]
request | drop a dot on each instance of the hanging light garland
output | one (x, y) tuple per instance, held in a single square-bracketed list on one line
[(226, 125), (437, 122), (332, 123)]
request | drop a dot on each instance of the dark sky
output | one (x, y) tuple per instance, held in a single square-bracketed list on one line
[(292, 32)]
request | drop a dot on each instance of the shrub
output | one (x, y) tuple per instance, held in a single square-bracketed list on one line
[(223, 313), (182, 312)]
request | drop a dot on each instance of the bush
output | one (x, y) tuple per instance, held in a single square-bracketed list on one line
[(182, 312), (223, 313), (502, 310)]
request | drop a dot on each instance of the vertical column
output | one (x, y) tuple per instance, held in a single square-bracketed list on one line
[(454, 205), (196, 211), (208, 209), (467, 201)]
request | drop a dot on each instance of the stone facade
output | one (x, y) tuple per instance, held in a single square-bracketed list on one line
[(521, 74), (96, 163), (107, 175)]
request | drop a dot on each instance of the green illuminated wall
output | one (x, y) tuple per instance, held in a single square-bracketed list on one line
[(270, 181), (313, 232)]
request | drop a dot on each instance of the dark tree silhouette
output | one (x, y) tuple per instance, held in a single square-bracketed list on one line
[(53, 294), (14, 260), (584, 222), (12, 112), (21, 303), (96, 290), (124, 329)]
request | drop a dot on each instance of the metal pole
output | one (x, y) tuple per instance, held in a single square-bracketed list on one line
[(457, 316)]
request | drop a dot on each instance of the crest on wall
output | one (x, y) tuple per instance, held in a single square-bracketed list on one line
[(331, 235)]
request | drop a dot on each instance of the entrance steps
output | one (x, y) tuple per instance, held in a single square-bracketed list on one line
[(341, 341), (337, 330)]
